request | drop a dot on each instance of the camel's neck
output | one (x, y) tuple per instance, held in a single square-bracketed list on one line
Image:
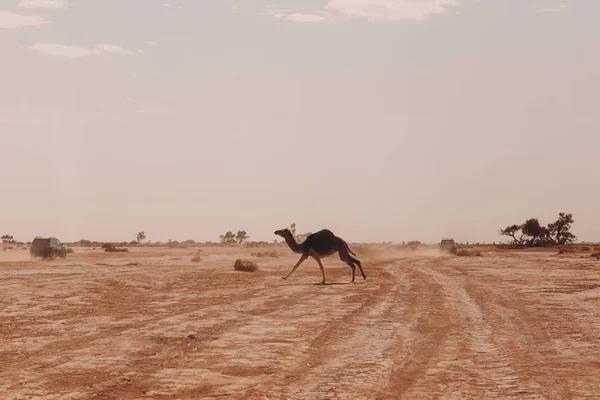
[(291, 242)]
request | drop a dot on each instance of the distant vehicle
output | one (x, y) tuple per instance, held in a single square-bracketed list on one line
[(448, 246), (47, 248)]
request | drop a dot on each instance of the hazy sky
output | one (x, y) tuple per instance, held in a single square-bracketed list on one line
[(378, 119)]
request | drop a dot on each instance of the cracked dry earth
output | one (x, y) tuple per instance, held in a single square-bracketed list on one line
[(151, 324)]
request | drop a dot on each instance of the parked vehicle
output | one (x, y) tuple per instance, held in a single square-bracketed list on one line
[(47, 248)]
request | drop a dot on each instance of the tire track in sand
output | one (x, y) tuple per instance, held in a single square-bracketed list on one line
[(471, 364), (350, 359)]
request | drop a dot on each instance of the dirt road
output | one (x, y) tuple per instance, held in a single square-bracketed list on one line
[(152, 324)]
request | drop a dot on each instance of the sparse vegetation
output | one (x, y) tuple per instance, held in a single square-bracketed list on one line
[(596, 256), (565, 250), (112, 249), (241, 236), (468, 253), (532, 234), (70, 250), (272, 254), (254, 245), (174, 244), (8, 239), (245, 265), (228, 237), (140, 237), (196, 258)]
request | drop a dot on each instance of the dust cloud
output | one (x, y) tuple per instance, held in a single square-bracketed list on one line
[(10, 255)]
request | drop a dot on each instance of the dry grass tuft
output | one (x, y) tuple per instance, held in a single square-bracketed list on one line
[(467, 253), (272, 254), (196, 258), (70, 250), (245, 265), (113, 249), (566, 250), (596, 256), (254, 245)]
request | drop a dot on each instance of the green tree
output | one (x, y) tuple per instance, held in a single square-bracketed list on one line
[(241, 236), (560, 230), (228, 237), (141, 236), (533, 230), (7, 239), (515, 232)]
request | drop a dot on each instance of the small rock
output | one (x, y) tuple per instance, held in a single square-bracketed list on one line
[(191, 336)]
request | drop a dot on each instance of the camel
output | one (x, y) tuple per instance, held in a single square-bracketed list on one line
[(320, 245)]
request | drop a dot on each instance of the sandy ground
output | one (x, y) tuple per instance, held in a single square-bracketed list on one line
[(153, 324)]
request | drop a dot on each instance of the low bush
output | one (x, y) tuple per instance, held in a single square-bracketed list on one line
[(70, 250), (566, 250), (254, 245), (245, 265), (116, 250), (196, 258), (272, 254), (467, 253)]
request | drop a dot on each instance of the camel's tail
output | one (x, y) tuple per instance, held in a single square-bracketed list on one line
[(348, 247)]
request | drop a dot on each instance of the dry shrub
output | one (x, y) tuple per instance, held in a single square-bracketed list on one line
[(176, 245), (597, 248), (586, 248), (566, 250), (596, 256), (116, 250), (107, 245), (272, 254), (467, 253), (245, 265), (254, 245), (196, 258), (70, 250)]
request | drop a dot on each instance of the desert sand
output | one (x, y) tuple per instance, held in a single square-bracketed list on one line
[(153, 324)]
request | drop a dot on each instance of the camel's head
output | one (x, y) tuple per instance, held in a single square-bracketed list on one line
[(283, 232)]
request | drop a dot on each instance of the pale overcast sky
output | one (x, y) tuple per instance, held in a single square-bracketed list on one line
[(378, 119)]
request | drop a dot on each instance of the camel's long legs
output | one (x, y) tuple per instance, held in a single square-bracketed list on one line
[(302, 259), (322, 269), (353, 270), (355, 261)]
